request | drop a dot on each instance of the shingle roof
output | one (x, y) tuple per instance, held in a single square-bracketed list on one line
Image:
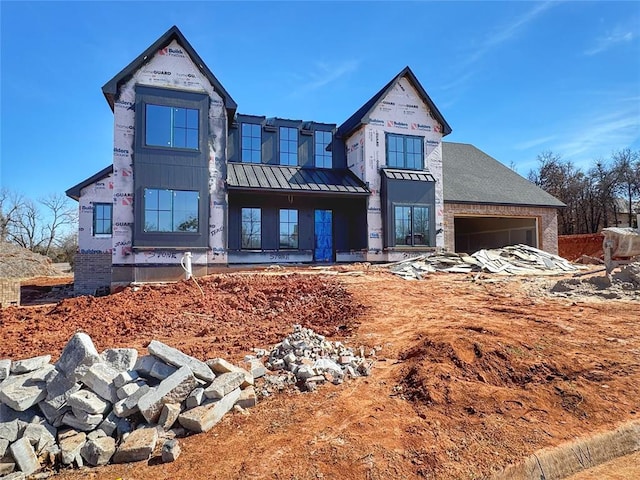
[(276, 178), (355, 120), (74, 192), (110, 88), (472, 176)]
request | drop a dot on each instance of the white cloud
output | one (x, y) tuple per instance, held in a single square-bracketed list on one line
[(610, 40), (534, 142), (322, 74)]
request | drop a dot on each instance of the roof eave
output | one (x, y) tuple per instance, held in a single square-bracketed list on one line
[(74, 192), (472, 202), (303, 191)]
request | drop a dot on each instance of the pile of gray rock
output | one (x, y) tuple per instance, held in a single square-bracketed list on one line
[(90, 408), (308, 359)]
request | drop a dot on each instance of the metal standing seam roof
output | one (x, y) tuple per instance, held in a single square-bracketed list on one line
[(278, 178), (471, 176), (416, 175)]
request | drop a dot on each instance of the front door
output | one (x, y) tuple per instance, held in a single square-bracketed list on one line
[(323, 251)]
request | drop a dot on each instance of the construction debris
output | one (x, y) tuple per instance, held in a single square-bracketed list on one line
[(510, 260), (92, 409)]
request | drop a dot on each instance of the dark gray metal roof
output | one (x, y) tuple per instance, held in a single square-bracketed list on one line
[(472, 176), (355, 120), (74, 192), (110, 89), (277, 178), (416, 175)]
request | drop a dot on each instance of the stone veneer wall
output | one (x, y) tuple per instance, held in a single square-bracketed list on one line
[(91, 271), (547, 221), (9, 292)]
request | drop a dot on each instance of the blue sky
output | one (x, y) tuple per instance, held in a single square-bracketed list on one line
[(512, 78)]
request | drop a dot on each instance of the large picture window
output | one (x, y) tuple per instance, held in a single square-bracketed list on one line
[(411, 225), (288, 146), (251, 143), (251, 228), (288, 228), (171, 127), (170, 210), (404, 151), (323, 158), (102, 218)]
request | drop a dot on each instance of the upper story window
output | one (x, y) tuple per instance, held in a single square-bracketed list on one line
[(171, 127), (404, 151), (251, 143), (102, 218), (251, 228), (170, 210), (323, 158), (288, 146), (288, 228)]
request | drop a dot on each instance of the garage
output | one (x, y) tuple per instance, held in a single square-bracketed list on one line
[(475, 233)]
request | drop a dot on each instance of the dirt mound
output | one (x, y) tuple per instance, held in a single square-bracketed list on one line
[(235, 314), (572, 247), (18, 262)]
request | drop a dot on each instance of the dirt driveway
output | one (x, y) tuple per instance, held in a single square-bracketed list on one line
[(470, 375)]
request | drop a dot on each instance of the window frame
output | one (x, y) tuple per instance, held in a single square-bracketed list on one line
[(252, 137), (251, 246), (293, 228), (95, 219), (172, 126), (405, 153), (412, 231), (172, 212), (287, 141), (323, 155)]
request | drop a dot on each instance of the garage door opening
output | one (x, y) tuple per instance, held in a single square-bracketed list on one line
[(475, 233)]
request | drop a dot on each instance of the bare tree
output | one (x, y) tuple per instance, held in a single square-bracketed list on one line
[(10, 206), (626, 163), (60, 215)]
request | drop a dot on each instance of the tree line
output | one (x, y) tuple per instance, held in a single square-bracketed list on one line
[(605, 195), (47, 225)]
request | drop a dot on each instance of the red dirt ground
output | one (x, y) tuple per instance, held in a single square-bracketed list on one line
[(572, 247), (470, 375)]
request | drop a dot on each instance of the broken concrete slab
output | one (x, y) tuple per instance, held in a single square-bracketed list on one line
[(99, 378), (177, 358), (29, 364), (4, 444), (7, 468), (21, 392), (224, 384), (53, 414), (129, 389), (220, 366), (120, 359), (9, 430), (169, 415), (129, 406), (40, 435), (24, 456), (71, 443), (78, 355), (88, 418), (109, 424), (59, 387), (247, 398), (204, 417), (173, 389), (5, 368), (144, 364), (87, 401), (161, 370), (125, 378), (195, 398), (170, 451), (255, 367), (137, 446), (98, 451), (70, 420)]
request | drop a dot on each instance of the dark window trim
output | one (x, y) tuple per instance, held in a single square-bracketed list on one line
[(404, 160), (260, 223), (95, 218), (172, 126), (280, 152), (242, 149), (297, 223), (165, 232), (328, 154), (430, 208)]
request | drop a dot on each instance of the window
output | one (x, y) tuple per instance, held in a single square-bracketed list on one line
[(251, 234), (323, 157), (102, 215), (251, 143), (171, 127), (288, 146), (411, 225), (170, 210), (288, 228), (404, 151)]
